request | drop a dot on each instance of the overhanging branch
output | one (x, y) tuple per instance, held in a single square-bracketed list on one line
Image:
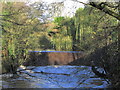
[(105, 9), (102, 7)]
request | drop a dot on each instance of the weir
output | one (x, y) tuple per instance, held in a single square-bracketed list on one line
[(44, 58)]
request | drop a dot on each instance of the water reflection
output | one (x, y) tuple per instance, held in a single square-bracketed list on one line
[(55, 77)]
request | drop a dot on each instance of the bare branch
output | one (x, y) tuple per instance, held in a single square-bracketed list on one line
[(80, 2), (103, 8)]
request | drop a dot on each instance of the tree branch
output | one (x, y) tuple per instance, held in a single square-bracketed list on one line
[(13, 22), (102, 7), (105, 9)]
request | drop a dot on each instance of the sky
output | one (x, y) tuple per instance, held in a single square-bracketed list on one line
[(51, 1), (69, 6)]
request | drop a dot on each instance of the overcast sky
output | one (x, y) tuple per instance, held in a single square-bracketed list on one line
[(69, 6), (51, 1)]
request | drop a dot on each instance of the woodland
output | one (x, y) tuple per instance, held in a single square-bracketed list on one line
[(94, 29)]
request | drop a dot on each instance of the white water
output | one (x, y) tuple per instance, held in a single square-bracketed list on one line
[(56, 77)]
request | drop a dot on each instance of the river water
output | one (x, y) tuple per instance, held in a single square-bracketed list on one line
[(54, 77)]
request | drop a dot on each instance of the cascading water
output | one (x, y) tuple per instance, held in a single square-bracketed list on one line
[(55, 77)]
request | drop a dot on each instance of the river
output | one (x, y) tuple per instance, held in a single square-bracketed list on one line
[(54, 77)]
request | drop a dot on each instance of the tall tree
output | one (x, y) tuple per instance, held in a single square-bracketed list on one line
[(16, 28)]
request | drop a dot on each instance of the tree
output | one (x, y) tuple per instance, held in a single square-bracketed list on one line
[(16, 28), (109, 38), (110, 8)]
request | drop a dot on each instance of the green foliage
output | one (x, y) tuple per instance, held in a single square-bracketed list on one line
[(45, 43), (15, 36), (92, 30), (88, 30), (62, 43), (58, 20)]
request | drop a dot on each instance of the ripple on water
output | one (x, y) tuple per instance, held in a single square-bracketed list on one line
[(79, 78)]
